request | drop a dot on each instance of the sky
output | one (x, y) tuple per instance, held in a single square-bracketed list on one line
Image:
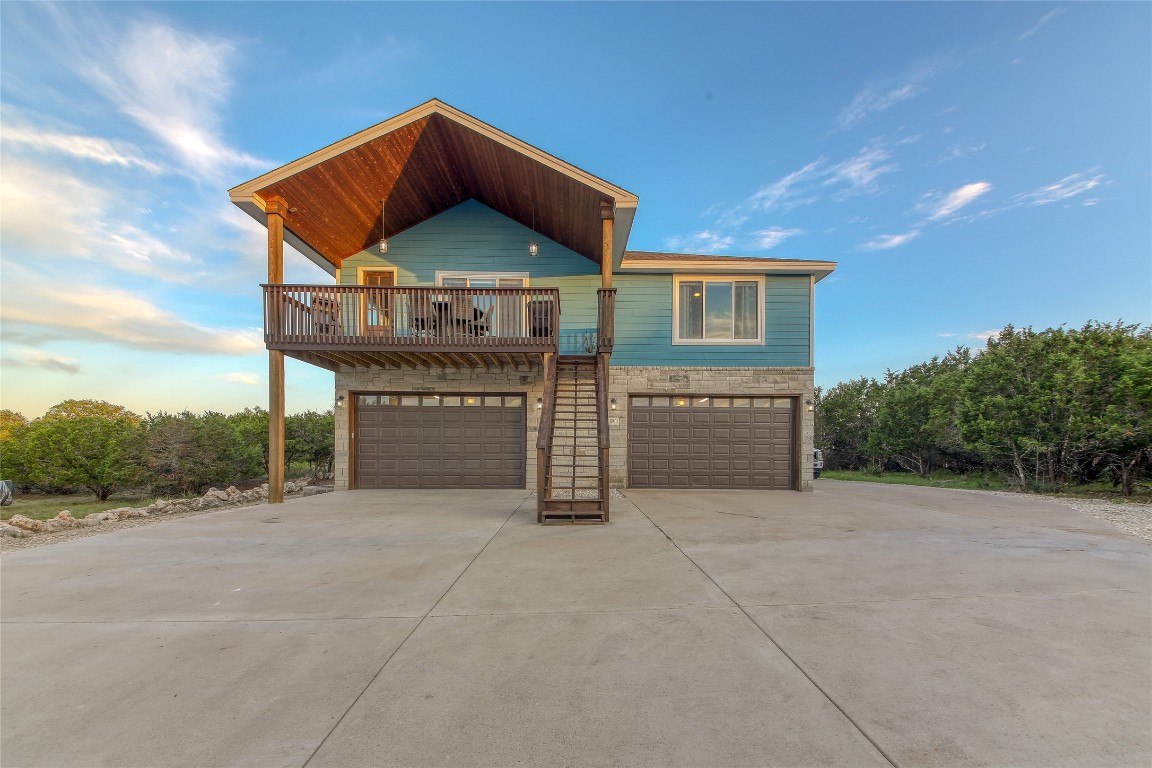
[(968, 165)]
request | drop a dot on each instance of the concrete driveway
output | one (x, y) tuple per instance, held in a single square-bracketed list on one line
[(857, 625)]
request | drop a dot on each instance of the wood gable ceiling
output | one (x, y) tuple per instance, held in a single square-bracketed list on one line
[(346, 202)]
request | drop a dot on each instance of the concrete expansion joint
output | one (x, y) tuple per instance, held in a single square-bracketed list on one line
[(411, 632), (859, 728)]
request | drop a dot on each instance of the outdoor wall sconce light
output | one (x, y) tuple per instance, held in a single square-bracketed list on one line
[(339, 401), (540, 403), (533, 249), (811, 406), (383, 245), (613, 404)]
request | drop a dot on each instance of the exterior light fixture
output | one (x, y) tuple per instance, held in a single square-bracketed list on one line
[(613, 404), (540, 403), (339, 401), (383, 245), (533, 249), (811, 406)]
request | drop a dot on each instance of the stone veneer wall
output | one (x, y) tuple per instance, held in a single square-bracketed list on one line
[(744, 382), (348, 381), (625, 381)]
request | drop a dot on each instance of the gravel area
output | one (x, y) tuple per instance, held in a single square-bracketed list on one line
[(1134, 517)]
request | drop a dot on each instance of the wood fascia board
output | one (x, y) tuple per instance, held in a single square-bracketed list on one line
[(819, 269), (254, 207), (248, 190)]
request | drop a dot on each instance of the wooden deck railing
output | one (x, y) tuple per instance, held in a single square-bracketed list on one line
[(336, 317)]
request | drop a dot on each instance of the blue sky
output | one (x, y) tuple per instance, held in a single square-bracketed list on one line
[(968, 165)]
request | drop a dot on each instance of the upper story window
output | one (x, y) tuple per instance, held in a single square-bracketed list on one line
[(481, 279), (718, 310)]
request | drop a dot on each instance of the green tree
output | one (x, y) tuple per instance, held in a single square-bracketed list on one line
[(915, 425), (10, 421), (188, 453), (1115, 425), (251, 428), (844, 418), (310, 437), (75, 409), (101, 454)]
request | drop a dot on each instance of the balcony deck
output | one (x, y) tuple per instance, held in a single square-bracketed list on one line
[(412, 327)]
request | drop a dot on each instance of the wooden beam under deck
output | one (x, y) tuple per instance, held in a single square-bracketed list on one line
[(332, 360)]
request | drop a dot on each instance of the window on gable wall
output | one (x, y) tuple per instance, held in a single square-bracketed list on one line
[(718, 310)]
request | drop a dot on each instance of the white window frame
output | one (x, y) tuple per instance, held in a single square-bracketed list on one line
[(470, 274), (760, 295)]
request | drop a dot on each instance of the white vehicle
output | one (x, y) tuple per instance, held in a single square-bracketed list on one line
[(817, 462)]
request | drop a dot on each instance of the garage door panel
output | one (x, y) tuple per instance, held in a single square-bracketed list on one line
[(416, 441), (713, 442)]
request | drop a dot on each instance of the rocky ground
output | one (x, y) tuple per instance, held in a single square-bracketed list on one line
[(23, 533)]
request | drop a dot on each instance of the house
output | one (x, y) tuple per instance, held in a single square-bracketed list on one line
[(489, 328)]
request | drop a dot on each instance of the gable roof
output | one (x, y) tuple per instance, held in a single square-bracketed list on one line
[(376, 183), (649, 261)]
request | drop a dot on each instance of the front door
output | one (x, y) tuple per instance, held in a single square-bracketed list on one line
[(377, 306)]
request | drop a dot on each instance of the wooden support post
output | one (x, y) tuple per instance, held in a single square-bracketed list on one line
[(275, 210), (607, 217)]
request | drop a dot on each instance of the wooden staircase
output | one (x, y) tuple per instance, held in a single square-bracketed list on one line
[(574, 450)]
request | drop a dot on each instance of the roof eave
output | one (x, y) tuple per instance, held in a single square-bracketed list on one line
[(818, 269)]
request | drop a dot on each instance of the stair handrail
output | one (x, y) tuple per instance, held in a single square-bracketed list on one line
[(602, 423), (544, 435)]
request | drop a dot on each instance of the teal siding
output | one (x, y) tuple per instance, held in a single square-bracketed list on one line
[(473, 237), (644, 326)]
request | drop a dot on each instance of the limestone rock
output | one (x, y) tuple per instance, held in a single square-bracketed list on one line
[(232, 491), (28, 524), (99, 517), (64, 519), (13, 532), (129, 513), (314, 490)]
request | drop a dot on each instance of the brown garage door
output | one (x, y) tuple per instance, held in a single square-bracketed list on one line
[(440, 441), (687, 441)]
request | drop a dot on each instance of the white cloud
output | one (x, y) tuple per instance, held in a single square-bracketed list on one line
[(985, 335), (47, 211), (882, 95), (884, 242), (705, 241), (958, 151), (784, 190), (1067, 187), (27, 357), (1043, 20), (945, 334), (173, 83), (237, 377), (99, 150), (52, 212), (773, 236), (860, 173), (118, 317), (944, 206)]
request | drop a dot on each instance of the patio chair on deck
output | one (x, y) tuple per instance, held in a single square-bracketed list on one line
[(421, 315), (326, 316)]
